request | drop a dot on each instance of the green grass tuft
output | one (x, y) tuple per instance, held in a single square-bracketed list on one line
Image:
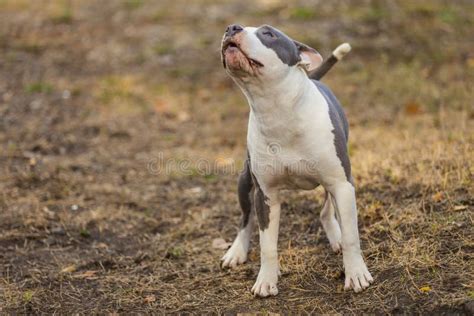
[(302, 13), (39, 87)]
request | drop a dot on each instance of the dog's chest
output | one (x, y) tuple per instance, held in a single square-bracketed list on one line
[(290, 149), (284, 165)]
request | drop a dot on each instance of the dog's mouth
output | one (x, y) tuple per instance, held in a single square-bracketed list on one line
[(229, 46)]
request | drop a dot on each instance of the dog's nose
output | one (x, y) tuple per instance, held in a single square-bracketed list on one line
[(233, 29)]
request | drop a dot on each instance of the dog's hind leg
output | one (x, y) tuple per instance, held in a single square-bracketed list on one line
[(330, 223), (237, 253)]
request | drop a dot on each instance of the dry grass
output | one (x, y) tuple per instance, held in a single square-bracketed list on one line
[(92, 92)]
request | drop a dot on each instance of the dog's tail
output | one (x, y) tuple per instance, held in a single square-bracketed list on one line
[(336, 55)]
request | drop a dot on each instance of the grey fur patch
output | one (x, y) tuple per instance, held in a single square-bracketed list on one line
[(282, 45), (341, 127), (261, 207), (245, 188)]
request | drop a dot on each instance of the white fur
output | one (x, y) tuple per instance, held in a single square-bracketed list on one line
[(330, 224), (267, 279), (288, 113), (342, 50), (237, 253)]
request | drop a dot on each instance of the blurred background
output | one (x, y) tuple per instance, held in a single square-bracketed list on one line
[(97, 97)]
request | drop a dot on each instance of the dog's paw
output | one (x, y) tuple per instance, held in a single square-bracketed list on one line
[(336, 246), (266, 284), (237, 254), (334, 237), (358, 276), (333, 233)]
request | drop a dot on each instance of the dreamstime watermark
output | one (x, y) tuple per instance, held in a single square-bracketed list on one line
[(274, 149), (186, 166), (272, 161)]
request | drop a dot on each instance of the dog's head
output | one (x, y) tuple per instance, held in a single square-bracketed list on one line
[(265, 52)]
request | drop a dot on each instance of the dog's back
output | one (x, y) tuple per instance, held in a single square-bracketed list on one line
[(340, 124), (338, 116)]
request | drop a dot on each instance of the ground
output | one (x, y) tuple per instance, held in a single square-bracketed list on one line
[(121, 138)]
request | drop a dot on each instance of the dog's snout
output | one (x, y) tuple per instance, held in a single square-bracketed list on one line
[(233, 29)]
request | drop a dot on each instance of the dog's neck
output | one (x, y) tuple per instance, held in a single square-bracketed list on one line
[(276, 100)]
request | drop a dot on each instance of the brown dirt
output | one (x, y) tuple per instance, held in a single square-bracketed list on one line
[(94, 95)]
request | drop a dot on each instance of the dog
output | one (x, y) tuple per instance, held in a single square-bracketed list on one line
[(297, 139)]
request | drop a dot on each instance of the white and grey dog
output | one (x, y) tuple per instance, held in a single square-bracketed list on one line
[(297, 139)]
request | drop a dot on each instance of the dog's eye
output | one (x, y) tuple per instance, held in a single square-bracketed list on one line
[(268, 33)]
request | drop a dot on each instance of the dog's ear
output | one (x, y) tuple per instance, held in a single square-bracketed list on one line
[(310, 59)]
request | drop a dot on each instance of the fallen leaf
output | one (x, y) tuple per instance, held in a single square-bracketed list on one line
[(437, 197), (161, 106), (183, 116), (412, 108), (101, 245), (48, 212), (220, 243), (460, 207), (194, 191), (425, 289), (88, 275), (69, 269), (150, 298), (32, 161)]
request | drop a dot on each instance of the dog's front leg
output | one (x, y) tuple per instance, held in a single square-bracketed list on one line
[(267, 208), (357, 275)]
